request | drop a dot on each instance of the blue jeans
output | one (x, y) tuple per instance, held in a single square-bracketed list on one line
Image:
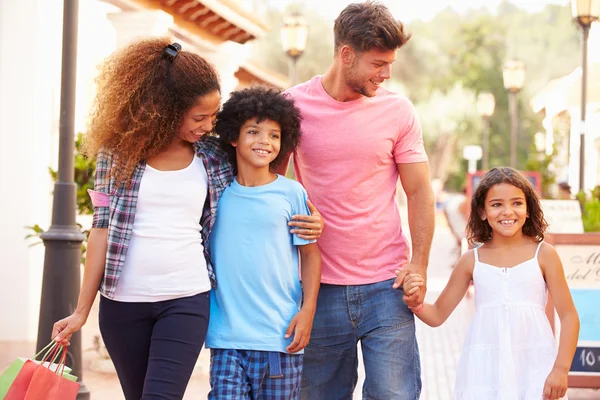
[(375, 315)]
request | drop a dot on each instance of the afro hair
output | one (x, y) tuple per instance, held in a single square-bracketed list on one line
[(260, 103)]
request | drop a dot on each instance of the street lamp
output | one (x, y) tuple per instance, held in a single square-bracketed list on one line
[(294, 33), (485, 108), (62, 241), (584, 12), (514, 78)]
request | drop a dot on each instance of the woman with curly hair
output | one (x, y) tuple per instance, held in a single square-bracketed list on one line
[(159, 176), (261, 315), (509, 352)]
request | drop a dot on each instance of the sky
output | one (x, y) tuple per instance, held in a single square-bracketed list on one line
[(407, 10)]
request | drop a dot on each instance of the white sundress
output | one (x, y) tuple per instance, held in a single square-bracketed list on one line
[(509, 349)]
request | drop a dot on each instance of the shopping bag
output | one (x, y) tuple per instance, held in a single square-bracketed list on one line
[(9, 376), (19, 387), (47, 384)]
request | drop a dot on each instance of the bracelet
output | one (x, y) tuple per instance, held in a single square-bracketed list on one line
[(417, 309)]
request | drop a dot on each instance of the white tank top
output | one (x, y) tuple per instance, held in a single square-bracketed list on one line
[(165, 258)]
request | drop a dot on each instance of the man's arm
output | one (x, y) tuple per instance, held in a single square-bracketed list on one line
[(415, 178)]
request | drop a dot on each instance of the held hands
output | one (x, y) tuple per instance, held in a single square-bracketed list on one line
[(64, 329), (301, 326), (308, 227), (556, 384), (414, 295)]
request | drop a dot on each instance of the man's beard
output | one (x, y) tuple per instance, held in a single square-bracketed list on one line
[(356, 83)]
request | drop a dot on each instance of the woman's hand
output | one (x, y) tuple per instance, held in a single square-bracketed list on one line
[(64, 329), (308, 227)]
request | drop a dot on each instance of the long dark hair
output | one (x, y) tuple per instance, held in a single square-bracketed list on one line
[(479, 231)]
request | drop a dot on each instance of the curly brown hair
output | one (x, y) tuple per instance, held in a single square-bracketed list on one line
[(141, 100), (479, 231)]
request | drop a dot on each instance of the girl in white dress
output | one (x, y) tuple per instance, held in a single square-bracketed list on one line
[(509, 352)]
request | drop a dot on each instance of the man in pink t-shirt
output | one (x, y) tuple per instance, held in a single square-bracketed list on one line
[(358, 139)]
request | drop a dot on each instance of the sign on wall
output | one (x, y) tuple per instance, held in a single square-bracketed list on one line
[(563, 216), (580, 255)]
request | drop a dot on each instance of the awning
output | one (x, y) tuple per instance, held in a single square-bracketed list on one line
[(222, 19)]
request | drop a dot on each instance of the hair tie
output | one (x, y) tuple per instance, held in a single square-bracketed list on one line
[(171, 51)]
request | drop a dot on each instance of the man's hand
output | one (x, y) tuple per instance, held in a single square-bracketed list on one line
[(308, 227), (414, 298), (301, 326)]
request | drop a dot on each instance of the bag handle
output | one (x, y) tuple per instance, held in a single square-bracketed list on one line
[(53, 354), (62, 363), (49, 347)]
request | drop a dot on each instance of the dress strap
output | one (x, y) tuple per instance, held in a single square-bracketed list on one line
[(476, 254), (538, 249)]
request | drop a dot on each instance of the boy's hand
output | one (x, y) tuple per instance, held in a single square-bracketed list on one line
[(556, 384), (301, 326)]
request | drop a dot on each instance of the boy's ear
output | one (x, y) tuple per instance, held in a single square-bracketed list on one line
[(233, 143)]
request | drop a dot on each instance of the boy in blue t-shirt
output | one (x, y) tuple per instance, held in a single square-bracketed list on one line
[(261, 315)]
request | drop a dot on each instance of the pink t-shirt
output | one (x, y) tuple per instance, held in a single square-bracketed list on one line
[(347, 162)]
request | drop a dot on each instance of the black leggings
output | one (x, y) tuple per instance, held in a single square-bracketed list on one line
[(155, 346)]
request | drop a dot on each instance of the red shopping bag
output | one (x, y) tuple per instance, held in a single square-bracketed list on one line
[(47, 384), (19, 387), (20, 384)]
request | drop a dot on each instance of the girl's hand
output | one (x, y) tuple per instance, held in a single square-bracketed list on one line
[(64, 329), (411, 283), (308, 227), (556, 384)]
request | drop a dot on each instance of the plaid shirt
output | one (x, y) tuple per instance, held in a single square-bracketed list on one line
[(118, 213)]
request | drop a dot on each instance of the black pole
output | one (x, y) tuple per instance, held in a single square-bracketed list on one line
[(586, 32), (62, 241), (512, 105), (485, 143)]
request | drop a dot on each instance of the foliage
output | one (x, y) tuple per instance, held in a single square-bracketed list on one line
[(84, 180), (83, 177), (542, 163), (590, 209)]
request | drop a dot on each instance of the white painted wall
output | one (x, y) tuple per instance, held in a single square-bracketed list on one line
[(30, 63)]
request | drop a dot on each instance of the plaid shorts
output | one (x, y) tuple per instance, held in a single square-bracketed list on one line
[(255, 375)]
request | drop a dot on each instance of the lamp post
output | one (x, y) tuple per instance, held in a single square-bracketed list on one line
[(294, 33), (584, 12), (513, 74), (485, 108), (62, 241)]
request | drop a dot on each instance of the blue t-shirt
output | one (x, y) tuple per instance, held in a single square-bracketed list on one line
[(256, 263)]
